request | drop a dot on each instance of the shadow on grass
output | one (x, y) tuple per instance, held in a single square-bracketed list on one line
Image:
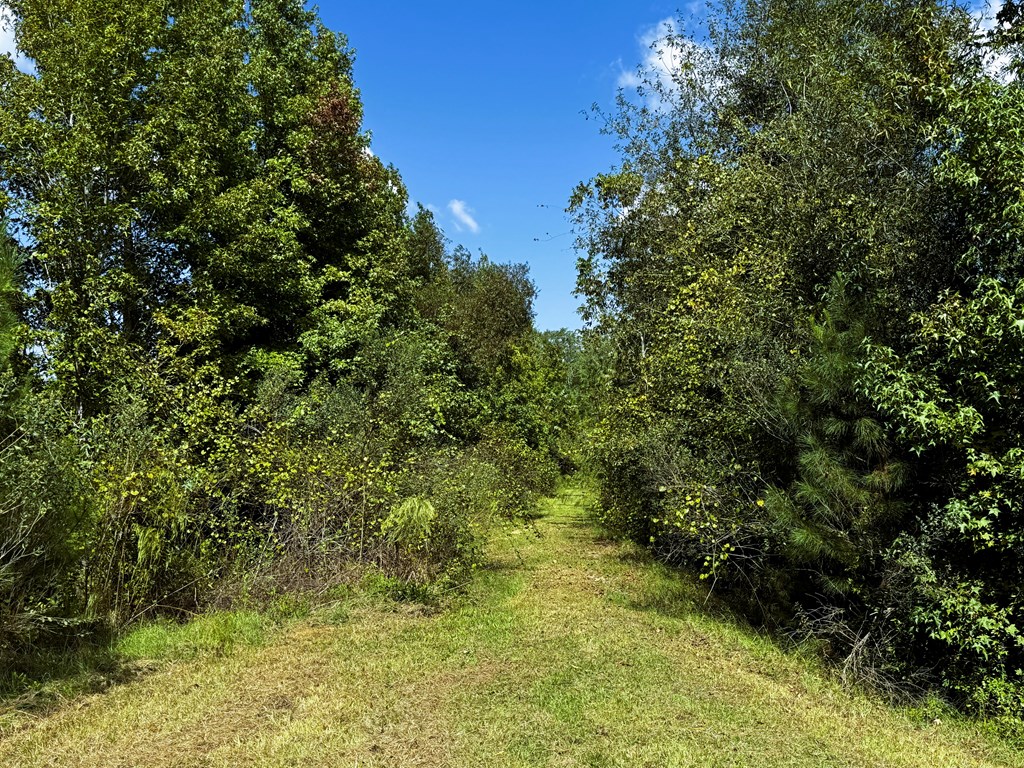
[(675, 592), (662, 588), (35, 685), (43, 678), (503, 565)]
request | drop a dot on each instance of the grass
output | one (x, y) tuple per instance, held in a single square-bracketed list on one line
[(49, 679), (567, 651), (217, 634)]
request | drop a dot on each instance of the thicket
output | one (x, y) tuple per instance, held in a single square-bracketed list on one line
[(809, 268), (231, 362)]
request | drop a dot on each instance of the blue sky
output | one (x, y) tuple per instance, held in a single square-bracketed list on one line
[(481, 107)]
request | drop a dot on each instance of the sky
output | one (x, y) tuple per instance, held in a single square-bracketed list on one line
[(483, 108)]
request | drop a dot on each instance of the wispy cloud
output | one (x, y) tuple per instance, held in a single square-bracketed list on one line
[(463, 216)]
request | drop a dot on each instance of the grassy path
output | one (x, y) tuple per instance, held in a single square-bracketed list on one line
[(569, 652)]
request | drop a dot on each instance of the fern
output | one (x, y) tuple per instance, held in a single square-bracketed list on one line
[(410, 524)]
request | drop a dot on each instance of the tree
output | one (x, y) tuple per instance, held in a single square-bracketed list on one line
[(842, 507), (115, 148), (807, 265)]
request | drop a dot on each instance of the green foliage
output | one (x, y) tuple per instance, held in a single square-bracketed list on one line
[(842, 507), (43, 494), (232, 368), (807, 268), (951, 399), (410, 524), (492, 312), (10, 296), (948, 389), (46, 508)]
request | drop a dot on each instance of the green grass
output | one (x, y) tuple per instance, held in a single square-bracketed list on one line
[(566, 651), (216, 633), (50, 679)]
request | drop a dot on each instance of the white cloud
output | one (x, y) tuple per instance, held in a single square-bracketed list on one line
[(661, 56), (463, 216), (669, 55)]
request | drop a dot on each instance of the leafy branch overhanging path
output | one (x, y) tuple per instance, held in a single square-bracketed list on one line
[(569, 651)]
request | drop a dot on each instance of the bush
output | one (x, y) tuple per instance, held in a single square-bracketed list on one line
[(46, 515)]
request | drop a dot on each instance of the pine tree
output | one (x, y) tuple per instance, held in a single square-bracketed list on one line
[(842, 507)]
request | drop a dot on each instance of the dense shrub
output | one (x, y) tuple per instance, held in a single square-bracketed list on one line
[(807, 267), (47, 516)]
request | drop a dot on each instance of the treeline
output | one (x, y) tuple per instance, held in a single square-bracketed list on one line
[(809, 265), (230, 362)]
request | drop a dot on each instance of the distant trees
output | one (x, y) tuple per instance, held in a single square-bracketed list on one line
[(807, 265)]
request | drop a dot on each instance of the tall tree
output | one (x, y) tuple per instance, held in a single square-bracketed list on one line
[(112, 149)]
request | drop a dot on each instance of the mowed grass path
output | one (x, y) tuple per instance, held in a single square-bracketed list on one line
[(569, 651)]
